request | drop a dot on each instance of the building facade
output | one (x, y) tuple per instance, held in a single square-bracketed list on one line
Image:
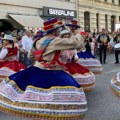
[(98, 14), (32, 13)]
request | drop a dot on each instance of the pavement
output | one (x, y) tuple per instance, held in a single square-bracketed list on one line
[(102, 105)]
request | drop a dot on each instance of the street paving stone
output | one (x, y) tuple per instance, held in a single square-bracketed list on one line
[(102, 105)]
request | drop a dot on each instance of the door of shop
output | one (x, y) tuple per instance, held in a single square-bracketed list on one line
[(5, 26)]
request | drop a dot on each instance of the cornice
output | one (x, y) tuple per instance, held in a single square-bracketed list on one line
[(99, 9)]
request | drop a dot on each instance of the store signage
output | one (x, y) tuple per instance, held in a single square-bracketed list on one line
[(58, 12), (61, 12)]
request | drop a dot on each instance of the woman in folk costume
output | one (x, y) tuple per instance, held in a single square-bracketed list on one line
[(37, 37), (85, 58), (115, 85), (81, 74), (9, 58), (45, 90)]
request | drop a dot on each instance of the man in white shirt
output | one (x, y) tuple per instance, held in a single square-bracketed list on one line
[(27, 43)]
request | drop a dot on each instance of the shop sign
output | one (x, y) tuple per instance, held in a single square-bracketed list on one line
[(58, 12)]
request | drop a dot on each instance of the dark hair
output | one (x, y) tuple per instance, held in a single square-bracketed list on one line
[(90, 40), (11, 42), (51, 31), (103, 29), (34, 44), (65, 34)]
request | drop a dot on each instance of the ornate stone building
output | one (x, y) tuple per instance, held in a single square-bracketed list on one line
[(91, 14), (32, 13), (98, 14)]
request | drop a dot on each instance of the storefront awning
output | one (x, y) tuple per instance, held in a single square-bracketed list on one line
[(28, 21)]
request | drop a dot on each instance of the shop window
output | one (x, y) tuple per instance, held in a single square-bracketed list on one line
[(5, 26)]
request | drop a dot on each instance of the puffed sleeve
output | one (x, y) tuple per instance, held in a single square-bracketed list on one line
[(80, 42), (3, 53), (64, 44)]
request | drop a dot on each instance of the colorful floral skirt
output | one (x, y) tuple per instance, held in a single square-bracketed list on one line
[(115, 85), (8, 68), (43, 94), (88, 59), (82, 75)]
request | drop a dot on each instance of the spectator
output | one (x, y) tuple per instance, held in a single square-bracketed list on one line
[(27, 46)]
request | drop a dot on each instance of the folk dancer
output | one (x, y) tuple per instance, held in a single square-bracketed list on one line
[(86, 58), (45, 90), (81, 74), (9, 63)]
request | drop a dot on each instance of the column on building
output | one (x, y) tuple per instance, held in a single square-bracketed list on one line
[(81, 18), (117, 18), (102, 20), (109, 22), (93, 21)]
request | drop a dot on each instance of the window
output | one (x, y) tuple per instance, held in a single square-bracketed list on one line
[(119, 2), (87, 21), (97, 21), (112, 23), (106, 22), (113, 1)]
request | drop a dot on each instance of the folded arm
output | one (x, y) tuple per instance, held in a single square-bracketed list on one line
[(72, 43)]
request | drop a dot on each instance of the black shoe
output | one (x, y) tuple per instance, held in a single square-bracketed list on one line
[(104, 62), (116, 62)]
